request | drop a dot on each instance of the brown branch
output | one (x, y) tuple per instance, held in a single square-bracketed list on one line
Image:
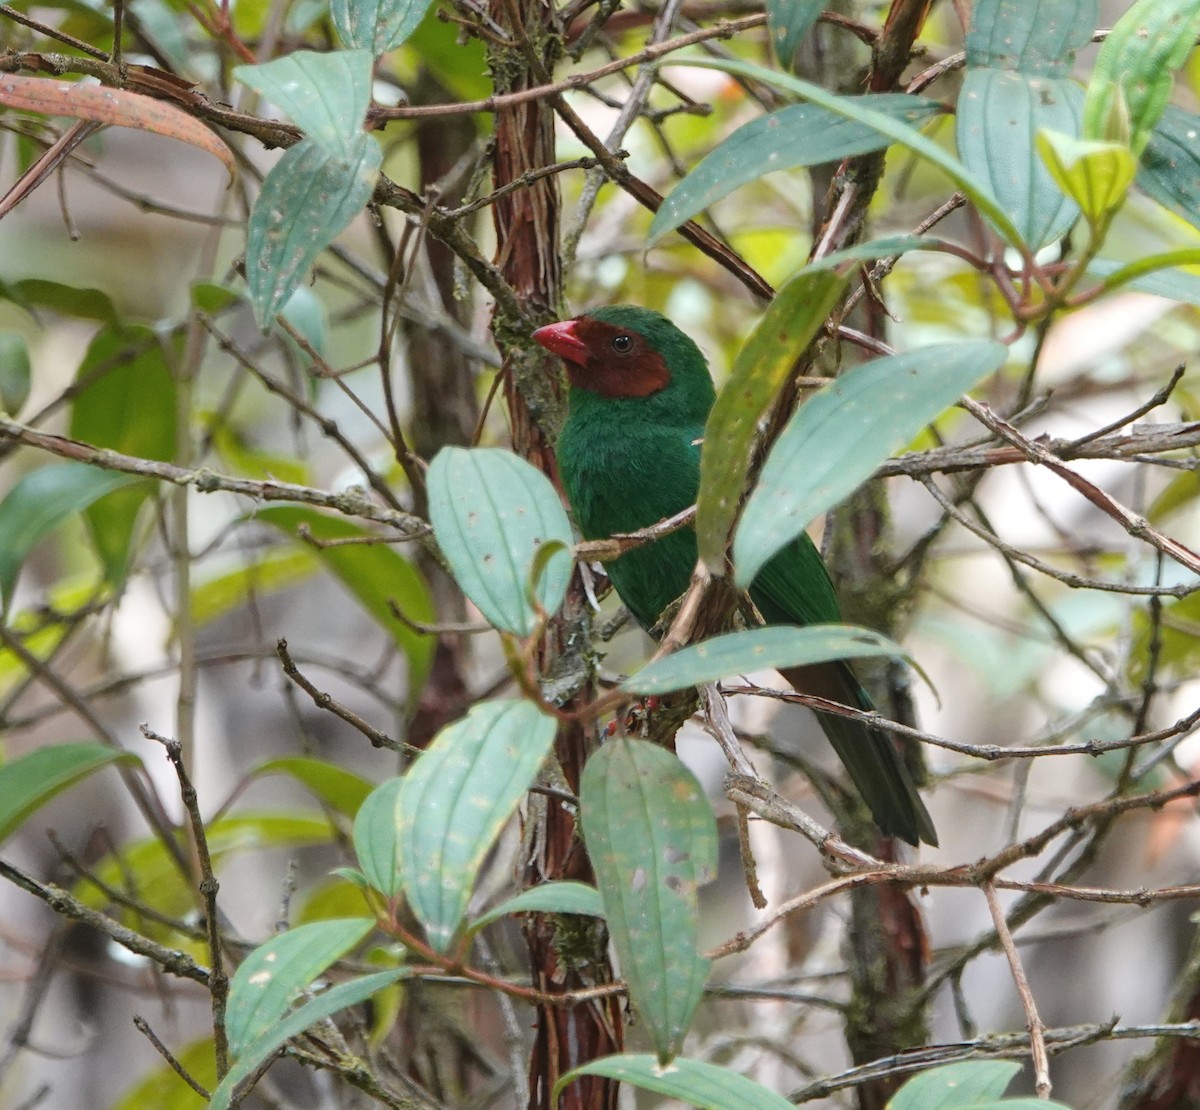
[(218, 981), (1040, 455), (323, 700), (352, 502), (1037, 1029), (60, 901)]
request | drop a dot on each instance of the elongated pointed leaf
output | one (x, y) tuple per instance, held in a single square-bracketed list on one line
[(327, 94), (887, 247), (377, 837), (1170, 169), (116, 107), (1035, 37), (340, 789), (798, 135), (77, 302), (311, 194), (377, 25), (29, 782), (267, 981), (128, 408), (789, 21), (1135, 69), (752, 650), (956, 1085), (261, 1050), (760, 370), (560, 897), (374, 573), (39, 503), (692, 1081), (850, 107), (999, 117), (1155, 274), (150, 873), (653, 842), (840, 435), (456, 799), (491, 511), (15, 372), (1019, 59)]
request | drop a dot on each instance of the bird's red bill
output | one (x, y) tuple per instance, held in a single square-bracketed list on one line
[(560, 339)]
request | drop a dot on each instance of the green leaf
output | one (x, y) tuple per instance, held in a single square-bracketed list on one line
[(317, 1009), (326, 94), (311, 194), (888, 247), (558, 897), (1035, 37), (999, 117), (251, 462), (212, 298), (1180, 493), (29, 782), (760, 370), (798, 135), (956, 1085), (1022, 1104), (340, 789), (652, 838), (39, 503), (377, 25), (68, 300), (147, 872), (456, 799), (1136, 66), (837, 438), (15, 372), (377, 837), (263, 987), (975, 190), (695, 1082), (789, 21), (1019, 59), (306, 313), (491, 511), (756, 648), (269, 572), (1095, 175), (1154, 273), (1178, 639), (373, 573), (1170, 169), (126, 403)]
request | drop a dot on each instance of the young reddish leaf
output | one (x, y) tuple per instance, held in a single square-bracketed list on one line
[(118, 107)]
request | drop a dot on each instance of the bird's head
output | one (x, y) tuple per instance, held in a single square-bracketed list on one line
[(623, 351)]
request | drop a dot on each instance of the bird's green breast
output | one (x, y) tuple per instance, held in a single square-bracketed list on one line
[(621, 473)]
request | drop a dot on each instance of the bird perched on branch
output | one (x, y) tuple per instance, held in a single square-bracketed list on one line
[(629, 456)]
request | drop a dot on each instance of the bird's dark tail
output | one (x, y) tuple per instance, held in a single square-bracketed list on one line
[(870, 757)]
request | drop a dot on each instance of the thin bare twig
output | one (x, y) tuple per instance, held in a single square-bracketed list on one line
[(1037, 1030), (218, 981), (143, 1027), (323, 700)]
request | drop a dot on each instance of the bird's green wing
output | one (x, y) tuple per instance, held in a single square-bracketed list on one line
[(794, 587)]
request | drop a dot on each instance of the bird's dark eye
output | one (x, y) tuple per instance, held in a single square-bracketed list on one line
[(622, 344)]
